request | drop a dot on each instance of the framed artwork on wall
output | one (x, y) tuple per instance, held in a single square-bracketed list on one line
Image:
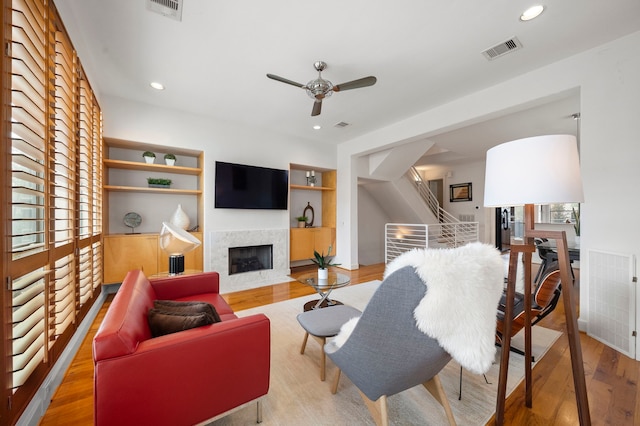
[(460, 192)]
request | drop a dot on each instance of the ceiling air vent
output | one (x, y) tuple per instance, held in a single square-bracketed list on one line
[(341, 124), (502, 48), (168, 8)]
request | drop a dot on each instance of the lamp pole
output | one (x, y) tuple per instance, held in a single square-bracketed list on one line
[(573, 333)]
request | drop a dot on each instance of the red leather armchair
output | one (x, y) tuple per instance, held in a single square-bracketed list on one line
[(182, 378)]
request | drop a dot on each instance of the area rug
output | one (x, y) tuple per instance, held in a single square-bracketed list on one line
[(298, 397)]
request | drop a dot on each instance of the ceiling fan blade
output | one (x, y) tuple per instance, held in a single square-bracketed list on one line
[(355, 84), (317, 107), (284, 80)]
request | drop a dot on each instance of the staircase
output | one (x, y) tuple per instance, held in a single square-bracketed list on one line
[(449, 232)]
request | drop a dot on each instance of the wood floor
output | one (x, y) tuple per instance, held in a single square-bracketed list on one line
[(610, 376)]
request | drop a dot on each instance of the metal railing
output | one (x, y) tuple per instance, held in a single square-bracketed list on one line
[(402, 237), (429, 197)]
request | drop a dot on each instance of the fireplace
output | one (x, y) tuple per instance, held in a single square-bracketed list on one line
[(250, 258)]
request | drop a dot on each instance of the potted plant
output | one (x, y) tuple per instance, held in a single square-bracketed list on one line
[(323, 263), (170, 159), (302, 221), (159, 182), (576, 224), (149, 157)]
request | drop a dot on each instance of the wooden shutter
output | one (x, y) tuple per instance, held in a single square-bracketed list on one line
[(52, 264)]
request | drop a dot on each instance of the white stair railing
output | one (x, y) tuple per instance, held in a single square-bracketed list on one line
[(429, 197), (402, 237)]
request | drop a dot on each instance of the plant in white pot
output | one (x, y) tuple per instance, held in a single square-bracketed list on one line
[(323, 263), (169, 159), (149, 157), (302, 221)]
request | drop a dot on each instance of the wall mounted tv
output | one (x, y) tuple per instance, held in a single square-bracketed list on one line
[(240, 186)]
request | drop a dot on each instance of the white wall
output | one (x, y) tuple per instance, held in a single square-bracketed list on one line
[(371, 221), (609, 81)]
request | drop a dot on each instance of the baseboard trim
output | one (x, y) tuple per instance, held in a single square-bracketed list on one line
[(40, 402)]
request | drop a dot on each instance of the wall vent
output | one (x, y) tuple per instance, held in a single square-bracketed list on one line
[(467, 217), (169, 8), (341, 124), (502, 49)]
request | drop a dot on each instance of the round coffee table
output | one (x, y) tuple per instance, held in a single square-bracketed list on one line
[(323, 288)]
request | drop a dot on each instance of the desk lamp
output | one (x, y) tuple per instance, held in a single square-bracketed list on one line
[(176, 242), (537, 170)]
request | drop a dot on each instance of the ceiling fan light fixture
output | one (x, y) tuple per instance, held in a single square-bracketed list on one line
[(532, 13), (319, 88)]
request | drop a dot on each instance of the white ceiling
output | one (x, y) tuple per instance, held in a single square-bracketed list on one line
[(423, 53)]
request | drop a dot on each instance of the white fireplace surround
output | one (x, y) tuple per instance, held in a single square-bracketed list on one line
[(218, 259)]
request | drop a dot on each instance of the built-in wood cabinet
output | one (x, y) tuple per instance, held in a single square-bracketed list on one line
[(304, 241), (126, 190), (124, 252)]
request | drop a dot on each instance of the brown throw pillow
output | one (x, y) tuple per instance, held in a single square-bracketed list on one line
[(162, 322), (187, 307)]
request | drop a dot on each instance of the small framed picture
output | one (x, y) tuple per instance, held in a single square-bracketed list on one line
[(460, 192)]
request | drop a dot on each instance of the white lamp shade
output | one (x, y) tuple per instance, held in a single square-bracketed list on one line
[(536, 170), (176, 241)]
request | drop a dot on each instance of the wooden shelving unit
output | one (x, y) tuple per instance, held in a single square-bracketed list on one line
[(123, 251)]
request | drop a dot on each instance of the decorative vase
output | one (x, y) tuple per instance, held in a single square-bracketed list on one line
[(170, 161), (180, 218), (301, 224), (577, 240), (323, 273), (149, 160)]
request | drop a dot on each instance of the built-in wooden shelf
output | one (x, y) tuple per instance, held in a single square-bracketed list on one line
[(311, 188), (133, 165), (118, 188)]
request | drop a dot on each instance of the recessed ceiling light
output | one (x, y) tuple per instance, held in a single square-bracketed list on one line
[(317, 127), (156, 85), (531, 13)]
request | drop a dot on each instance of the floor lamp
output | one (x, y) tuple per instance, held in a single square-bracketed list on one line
[(537, 170)]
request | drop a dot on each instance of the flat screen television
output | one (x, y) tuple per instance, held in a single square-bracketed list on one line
[(239, 186)]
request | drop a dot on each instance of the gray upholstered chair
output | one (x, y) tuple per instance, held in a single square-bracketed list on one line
[(386, 353)]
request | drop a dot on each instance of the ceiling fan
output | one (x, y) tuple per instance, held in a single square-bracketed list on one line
[(320, 88)]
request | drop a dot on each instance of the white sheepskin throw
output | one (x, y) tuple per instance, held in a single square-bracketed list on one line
[(345, 331), (464, 286)]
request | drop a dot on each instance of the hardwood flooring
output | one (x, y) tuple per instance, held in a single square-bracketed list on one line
[(611, 377)]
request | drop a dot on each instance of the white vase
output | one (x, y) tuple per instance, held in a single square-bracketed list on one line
[(170, 161), (323, 274), (577, 240), (150, 160), (180, 218)]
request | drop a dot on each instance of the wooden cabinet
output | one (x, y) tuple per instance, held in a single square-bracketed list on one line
[(305, 240), (124, 252)]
